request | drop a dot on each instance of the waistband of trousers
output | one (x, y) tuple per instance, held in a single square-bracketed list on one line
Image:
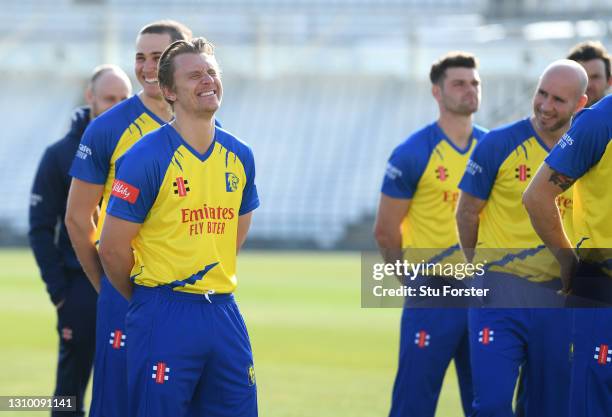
[(209, 297)]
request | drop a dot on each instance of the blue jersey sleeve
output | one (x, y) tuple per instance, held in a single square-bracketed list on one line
[(581, 147), (482, 167), (92, 160), (136, 186), (250, 199), (404, 169)]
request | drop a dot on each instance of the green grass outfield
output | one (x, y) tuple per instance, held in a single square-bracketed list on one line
[(317, 352)]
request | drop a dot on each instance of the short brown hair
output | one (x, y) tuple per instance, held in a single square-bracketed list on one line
[(588, 50), (455, 59), (177, 31), (165, 67)]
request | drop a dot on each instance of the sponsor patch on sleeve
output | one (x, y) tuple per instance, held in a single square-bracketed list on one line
[(83, 152), (392, 172), (125, 191), (473, 168), (566, 140)]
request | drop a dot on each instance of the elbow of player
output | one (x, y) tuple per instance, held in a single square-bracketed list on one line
[(107, 253), (461, 217), (382, 236), (530, 200), (72, 224)]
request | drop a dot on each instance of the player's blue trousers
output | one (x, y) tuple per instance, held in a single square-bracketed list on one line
[(109, 393), (503, 340), (429, 339), (76, 320), (189, 355), (591, 389)]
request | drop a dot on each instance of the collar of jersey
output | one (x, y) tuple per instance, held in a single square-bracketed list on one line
[(535, 135), (147, 111), (455, 147), (201, 156)]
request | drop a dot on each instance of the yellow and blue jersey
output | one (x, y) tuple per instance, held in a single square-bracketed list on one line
[(499, 170), (188, 204), (426, 168), (105, 140), (585, 153)]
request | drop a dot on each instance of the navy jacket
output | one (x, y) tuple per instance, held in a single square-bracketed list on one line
[(48, 235)]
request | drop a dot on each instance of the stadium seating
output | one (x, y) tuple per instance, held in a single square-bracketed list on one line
[(323, 92), (38, 110)]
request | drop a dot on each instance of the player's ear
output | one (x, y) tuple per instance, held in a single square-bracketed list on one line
[(436, 91), (168, 94), (89, 97), (582, 102)]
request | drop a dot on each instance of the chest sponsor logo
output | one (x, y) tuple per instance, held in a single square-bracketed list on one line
[(523, 172), (181, 186), (231, 182), (207, 219), (441, 173), (564, 204), (125, 191)]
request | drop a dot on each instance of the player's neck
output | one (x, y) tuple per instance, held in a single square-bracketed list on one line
[(458, 129), (198, 132), (158, 107)]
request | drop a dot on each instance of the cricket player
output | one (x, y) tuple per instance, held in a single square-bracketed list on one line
[(93, 172), (595, 60), (490, 215), (179, 211), (69, 289), (583, 156), (416, 210)]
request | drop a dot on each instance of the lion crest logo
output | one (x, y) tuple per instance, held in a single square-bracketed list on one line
[(231, 182)]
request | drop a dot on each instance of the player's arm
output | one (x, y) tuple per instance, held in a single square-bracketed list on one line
[(116, 252), (244, 223), (83, 199), (387, 228), (540, 201), (468, 221)]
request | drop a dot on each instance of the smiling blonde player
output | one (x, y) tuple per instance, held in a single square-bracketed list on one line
[(180, 209)]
